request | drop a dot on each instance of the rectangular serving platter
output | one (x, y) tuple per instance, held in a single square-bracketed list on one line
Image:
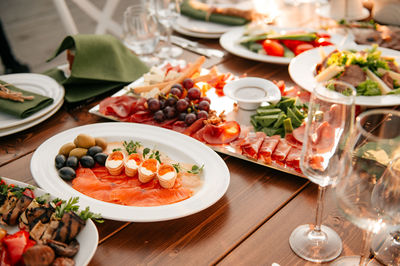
[(219, 104)]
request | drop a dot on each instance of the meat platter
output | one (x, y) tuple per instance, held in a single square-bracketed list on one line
[(235, 134)]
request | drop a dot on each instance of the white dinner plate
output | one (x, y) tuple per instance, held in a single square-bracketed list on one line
[(230, 42), (36, 83), (302, 71), (203, 35), (87, 238), (177, 146), (202, 26), (18, 128)]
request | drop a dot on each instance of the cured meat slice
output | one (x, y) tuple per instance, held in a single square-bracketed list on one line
[(120, 106), (293, 141), (267, 148), (324, 138), (252, 144), (293, 158), (221, 134), (281, 151), (298, 133)]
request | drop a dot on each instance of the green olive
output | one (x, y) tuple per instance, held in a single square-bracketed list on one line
[(101, 142), (84, 141), (78, 152), (66, 148)]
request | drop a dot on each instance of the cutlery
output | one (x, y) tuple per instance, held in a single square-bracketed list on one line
[(195, 47)]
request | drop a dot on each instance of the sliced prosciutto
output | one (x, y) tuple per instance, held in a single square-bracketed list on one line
[(267, 148), (221, 134), (121, 106), (252, 144), (293, 158), (281, 151)]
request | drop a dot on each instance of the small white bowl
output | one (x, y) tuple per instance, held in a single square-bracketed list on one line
[(250, 92)]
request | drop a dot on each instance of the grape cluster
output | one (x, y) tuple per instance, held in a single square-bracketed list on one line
[(187, 109)]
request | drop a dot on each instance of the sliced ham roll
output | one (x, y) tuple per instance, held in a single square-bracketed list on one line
[(281, 151), (267, 148), (293, 158), (252, 144)]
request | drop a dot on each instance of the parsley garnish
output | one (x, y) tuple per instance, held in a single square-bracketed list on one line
[(43, 199), (196, 169), (131, 147), (117, 149), (68, 206), (177, 167), (87, 214), (156, 154), (145, 152)]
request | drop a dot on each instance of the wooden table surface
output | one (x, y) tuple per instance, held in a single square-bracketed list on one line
[(249, 225)]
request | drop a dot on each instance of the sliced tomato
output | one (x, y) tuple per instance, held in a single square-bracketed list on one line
[(302, 48), (273, 48), (29, 193), (323, 35), (281, 85)]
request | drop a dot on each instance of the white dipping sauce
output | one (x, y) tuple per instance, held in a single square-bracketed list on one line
[(250, 93)]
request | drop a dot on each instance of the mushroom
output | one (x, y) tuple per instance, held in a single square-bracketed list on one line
[(62, 249), (63, 261), (39, 255)]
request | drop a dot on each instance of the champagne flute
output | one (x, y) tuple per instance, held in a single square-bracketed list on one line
[(368, 194), (329, 123), (167, 12), (141, 33)]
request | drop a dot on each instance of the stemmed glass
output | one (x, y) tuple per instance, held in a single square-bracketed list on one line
[(386, 245), (368, 194), (141, 34), (329, 123), (167, 12)]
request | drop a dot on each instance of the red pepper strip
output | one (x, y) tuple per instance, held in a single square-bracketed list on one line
[(16, 244), (29, 193), (4, 261)]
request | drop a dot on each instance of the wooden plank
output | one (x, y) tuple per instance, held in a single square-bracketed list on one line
[(254, 194), (270, 243)]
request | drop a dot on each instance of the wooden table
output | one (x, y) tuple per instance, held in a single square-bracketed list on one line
[(250, 225)]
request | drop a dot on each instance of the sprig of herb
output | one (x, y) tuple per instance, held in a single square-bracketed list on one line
[(131, 147), (70, 205), (87, 214), (145, 152), (43, 199), (117, 149), (156, 154), (177, 167), (196, 169)]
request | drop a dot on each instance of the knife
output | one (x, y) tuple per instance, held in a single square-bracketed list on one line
[(194, 47)]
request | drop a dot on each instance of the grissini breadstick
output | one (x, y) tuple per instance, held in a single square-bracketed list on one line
[(212, 74)]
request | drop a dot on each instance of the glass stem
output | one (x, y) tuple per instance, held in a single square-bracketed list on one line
[(320, 208), (365, 248)]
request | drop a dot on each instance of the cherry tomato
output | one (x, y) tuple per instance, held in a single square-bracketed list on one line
[(273, 48), (292, 44), (281, 85), (302, 48), (323, 42)]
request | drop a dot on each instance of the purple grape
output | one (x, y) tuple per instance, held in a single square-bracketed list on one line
[(170, 112), (153, 104), (182, 116), (204, 105), (159, 116), (182, 105), (171, 101), (179, 86), (205, 98), (193, 93), (190, 118), (177, 92), (162, 103), (187, 83), (202, 114)]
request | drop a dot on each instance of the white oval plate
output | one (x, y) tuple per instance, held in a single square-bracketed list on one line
[(201, 26), (177, 146), (230, 42), (203, 35), (302, 69), (36, 83), (87, 238)]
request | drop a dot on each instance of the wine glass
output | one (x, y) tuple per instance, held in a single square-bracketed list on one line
[(167, 12), (329, 123), (385, 246), (368, 194), (141, 34)]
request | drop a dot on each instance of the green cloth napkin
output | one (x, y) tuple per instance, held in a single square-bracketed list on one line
[(26, 108), (188, 10), (102, 63)]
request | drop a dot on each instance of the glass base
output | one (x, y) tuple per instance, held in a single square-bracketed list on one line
[(386, 247), (169, 52), (352, 261), (313, 246)]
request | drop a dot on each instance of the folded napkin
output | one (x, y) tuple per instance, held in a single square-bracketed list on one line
[(101, 63), (188, 10), (26, 108)]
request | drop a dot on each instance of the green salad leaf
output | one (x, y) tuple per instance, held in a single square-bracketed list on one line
[(368, 88)]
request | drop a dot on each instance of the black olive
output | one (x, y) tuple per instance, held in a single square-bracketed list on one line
[(87, 161), (101, 158), (92, 151), (72, 162), (60, 161), (67, 173)]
